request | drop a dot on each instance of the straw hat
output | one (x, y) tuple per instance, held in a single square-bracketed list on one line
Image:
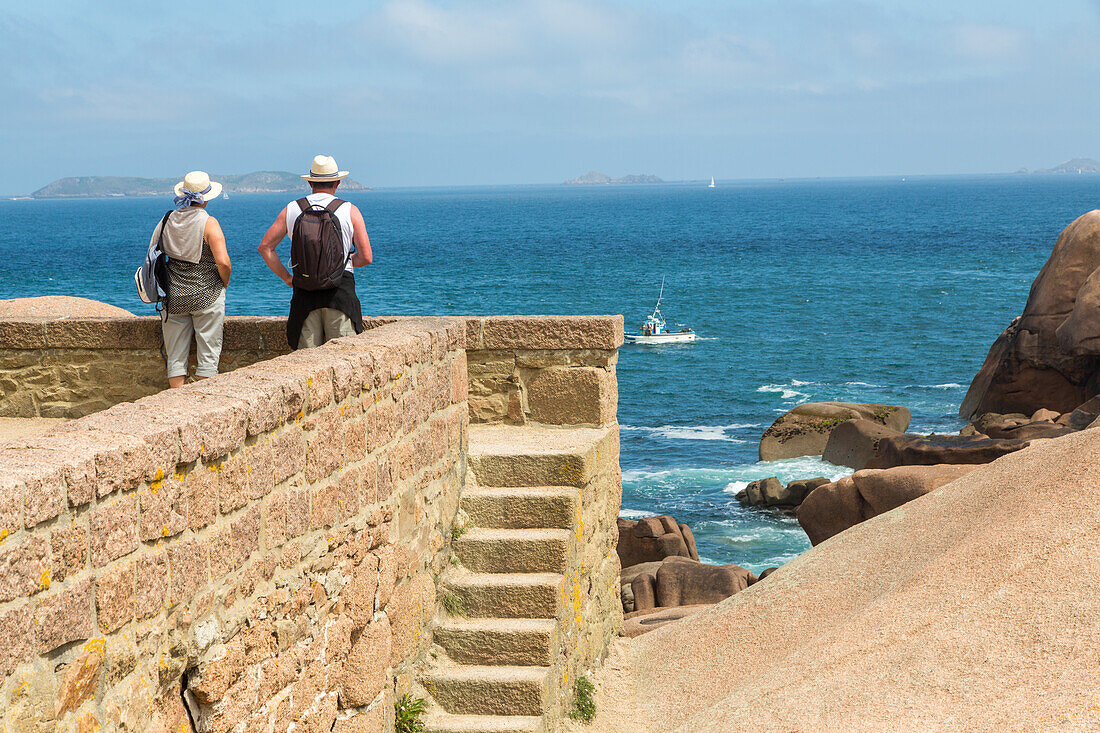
[(199, 182), (324, 169)]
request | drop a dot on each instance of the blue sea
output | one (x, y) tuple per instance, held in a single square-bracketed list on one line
[(870, 290)]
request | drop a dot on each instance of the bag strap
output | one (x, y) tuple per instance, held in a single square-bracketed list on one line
[(163, 223), (334, 205), (303, 203)]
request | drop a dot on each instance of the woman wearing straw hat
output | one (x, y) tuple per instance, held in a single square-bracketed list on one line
[(198, 273)]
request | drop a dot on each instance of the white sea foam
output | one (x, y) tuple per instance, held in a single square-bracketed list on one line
[(691, 432), (734, 486), (635, 513), (786, 391), (949, 385), (861, 384)]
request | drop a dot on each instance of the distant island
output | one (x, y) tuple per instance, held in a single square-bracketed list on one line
[(102, 186), (593, 178), (1075, 166)]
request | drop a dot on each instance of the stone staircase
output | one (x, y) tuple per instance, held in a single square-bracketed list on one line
[(508, 647)]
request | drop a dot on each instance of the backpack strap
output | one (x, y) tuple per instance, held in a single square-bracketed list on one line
[(334, 205), (163, 223), (303, 203)]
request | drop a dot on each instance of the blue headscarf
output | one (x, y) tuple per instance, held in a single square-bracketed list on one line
[(186, 198)]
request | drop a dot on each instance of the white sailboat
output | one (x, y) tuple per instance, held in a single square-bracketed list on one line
[(712, 183), (653, 328)]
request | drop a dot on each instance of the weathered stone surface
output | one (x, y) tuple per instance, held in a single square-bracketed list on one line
[(54, 307), (692, 583), (365, 669), (929, 450), (63, 616), (81, 677), (1045, 358), (636, 624), (832, 508), (805, 430), (578, 396), (853, 443), (653, 538), (546, 332)]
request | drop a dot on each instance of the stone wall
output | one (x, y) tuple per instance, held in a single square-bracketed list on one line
[(549, 370), (264, 543), (63, 367)]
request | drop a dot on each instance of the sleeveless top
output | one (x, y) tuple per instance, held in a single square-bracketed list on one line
[(193, 286), (193, 280), (343, 215)]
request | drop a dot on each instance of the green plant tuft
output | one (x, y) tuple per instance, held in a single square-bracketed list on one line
[(457, 532), (584, 706), (407, 711), (452, 604)]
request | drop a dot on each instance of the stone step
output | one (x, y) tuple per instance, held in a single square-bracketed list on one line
[(514, 550), (504, 595), (490, 690), (522, 507), (451, 723), (499, 641), (521, 455)]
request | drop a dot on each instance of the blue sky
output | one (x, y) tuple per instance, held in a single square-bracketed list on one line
[(422, 92)]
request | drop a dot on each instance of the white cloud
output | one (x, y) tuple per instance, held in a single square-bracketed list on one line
[(986, 43)]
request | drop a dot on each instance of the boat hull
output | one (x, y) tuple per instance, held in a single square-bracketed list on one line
[(663, 338)]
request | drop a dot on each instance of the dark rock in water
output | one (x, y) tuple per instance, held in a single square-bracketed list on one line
[(1020, 427), (1049, 357), (1085, 414), (1039, 430), (805, 430), (681, 582), (835, 507), (764, 573), (653, 539), (853, 443), (929, 450), (770, 492)]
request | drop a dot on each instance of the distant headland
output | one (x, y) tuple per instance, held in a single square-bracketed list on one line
[(103, 186), (594, 178), (1074, 166)]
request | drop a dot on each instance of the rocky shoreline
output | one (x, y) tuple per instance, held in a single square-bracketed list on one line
[(1039, 382)]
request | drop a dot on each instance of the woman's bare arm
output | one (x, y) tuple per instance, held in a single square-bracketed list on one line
[(215, 239)]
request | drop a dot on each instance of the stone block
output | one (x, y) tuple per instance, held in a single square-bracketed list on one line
[(347, 494), (25, 568), (259, 466), (572, 396), (151, 584), (324, 444), (233, 483), (81, 678), (550, 332), (200, 491), (324, 511), (365, 669), (297, 512), (411, 604), (163, 510), (114, 596), (220, 673), (114, 530), (70, 551), (63, 616), (16, 638), (187, 562), (288, 453)]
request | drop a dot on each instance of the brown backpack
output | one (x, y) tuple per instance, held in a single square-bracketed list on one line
[(317, 256)]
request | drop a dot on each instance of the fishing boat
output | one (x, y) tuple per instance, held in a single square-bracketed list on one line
[(712, 183), (653, 330)]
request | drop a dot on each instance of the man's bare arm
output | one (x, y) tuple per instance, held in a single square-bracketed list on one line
[(215, 240), (267, 248), (363, 255)]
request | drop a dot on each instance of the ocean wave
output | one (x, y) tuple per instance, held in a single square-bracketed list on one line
[(785, 391), (691, 432), (862, 384), (636, 513), (726, 478)]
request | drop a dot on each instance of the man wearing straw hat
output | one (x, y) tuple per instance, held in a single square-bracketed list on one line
[(319, 315)]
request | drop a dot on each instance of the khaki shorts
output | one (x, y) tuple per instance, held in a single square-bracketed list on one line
[(206, 328), (324, 324)]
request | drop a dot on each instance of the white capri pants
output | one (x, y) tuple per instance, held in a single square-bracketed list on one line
[(206, 327)]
